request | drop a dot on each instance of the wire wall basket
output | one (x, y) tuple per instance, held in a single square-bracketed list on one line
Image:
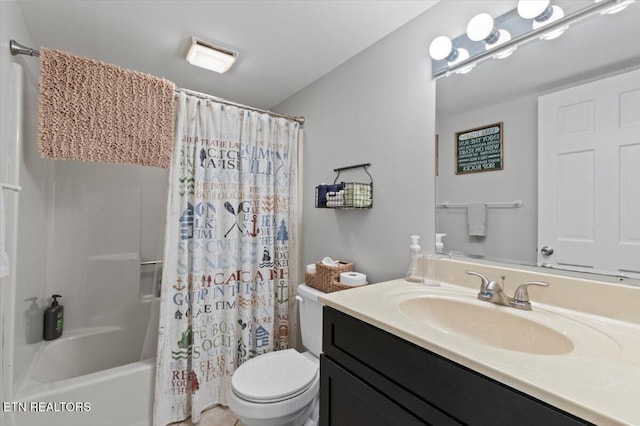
[(346, 195)]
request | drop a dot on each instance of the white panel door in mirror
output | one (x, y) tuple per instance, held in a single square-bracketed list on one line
[(590, 218)]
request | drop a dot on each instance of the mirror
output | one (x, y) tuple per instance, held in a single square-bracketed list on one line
[(507, 91)]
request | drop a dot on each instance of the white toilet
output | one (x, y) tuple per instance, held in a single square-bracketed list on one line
[(281, 388)]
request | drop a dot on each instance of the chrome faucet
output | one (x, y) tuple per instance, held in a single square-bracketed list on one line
[(497, 295), (483, 294), (491, 291), (520, 299)]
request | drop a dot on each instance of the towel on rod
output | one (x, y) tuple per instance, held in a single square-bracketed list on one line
[(94, 111), (477, 219), (4, 258)]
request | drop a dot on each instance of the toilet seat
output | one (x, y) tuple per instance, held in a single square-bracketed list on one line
[(274, 377)]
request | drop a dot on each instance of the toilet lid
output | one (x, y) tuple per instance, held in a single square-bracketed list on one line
[(274, 376)]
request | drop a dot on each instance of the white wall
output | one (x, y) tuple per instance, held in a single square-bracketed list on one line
[(378, 107), (511, 233)]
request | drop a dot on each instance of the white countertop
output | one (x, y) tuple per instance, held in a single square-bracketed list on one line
[(599, 380)]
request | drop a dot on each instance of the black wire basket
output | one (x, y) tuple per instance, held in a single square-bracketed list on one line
[(345, 195)]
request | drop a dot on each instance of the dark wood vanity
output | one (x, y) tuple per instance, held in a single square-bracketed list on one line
[(370, 377)]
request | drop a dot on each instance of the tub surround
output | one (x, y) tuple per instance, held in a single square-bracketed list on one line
[(597, 381)]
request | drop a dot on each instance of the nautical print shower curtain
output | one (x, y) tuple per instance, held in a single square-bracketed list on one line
[(231, 238)]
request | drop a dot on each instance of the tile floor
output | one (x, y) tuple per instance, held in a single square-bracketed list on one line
[(216, 416)]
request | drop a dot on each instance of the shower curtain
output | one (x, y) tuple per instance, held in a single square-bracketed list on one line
[(230, 251)]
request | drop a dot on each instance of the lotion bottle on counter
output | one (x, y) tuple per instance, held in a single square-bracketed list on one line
[(413, 272), (53, 319)]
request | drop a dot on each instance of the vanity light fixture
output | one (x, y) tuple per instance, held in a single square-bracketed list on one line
[(441, 48), (618, 7), (463, 56), (209, 56), (542, 13), (531, 20), (482, 28)]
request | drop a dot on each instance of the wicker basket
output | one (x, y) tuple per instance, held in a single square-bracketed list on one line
[(327, 278)]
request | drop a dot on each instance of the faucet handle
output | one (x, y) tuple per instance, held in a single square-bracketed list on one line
[(485, 281), (521, 297), (484, 293)]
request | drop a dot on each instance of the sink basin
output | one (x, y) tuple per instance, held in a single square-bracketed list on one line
[(487, 324)]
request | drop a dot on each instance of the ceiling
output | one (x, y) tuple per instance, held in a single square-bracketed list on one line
[(588, 49), (283, 45)]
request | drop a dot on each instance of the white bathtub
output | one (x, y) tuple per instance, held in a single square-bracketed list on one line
[(85, 352), (100, 369)]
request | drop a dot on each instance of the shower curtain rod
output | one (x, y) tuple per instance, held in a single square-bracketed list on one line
[(226, 102), (19, 49)]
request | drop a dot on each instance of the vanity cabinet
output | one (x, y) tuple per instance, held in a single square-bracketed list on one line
[(371, 377)]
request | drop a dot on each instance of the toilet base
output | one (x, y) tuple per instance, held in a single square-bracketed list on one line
[(314, 419), (302, 417)]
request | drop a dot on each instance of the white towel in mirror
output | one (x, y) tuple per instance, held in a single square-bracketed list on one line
[(477, 219)]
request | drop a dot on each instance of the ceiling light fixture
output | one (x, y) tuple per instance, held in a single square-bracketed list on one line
[(209, 56)]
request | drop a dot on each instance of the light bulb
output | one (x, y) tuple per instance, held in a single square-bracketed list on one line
[(618, 7), (504, 37), (531, 9), (481, 27), (440, 48), (556, 13), (463, 54)]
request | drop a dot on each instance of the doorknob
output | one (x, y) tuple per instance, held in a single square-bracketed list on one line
[(546, 251)]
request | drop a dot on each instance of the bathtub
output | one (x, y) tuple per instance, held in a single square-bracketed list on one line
[(88, 377)]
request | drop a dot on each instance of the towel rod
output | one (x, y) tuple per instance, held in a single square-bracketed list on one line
[(355, 166), (514, 204), (11, 187), (19, 49), (151, 262)]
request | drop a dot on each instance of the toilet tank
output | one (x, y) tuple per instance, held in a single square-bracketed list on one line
[(310, 318)]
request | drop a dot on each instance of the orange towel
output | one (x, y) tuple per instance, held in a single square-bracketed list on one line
[(93, 111)]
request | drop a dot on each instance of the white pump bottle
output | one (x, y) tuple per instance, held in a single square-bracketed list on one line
[(413, 272)]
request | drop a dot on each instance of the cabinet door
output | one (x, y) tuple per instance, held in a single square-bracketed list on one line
[(347, 400)]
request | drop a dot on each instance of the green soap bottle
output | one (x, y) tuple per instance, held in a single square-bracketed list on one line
[(53, 318)]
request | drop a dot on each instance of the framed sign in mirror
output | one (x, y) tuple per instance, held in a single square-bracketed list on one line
[(479, 149)]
